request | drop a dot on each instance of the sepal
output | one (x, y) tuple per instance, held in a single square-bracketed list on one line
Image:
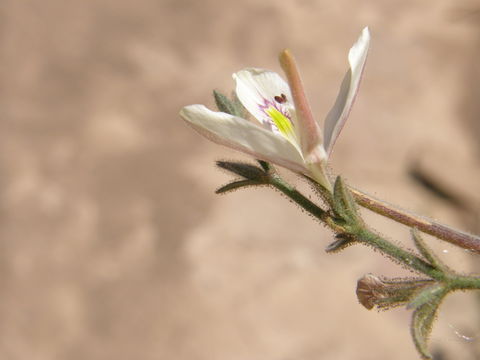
[(343, 203), (425, 295), (224, 104), (266, 166)]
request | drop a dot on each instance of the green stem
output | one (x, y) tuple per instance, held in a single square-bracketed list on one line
[(299, 198), (362, 234), (368, 237), (465, 283)]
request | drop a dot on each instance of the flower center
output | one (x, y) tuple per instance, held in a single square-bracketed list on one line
[(278, 117), (281, 122)]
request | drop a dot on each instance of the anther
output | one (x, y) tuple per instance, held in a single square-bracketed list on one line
[(281, 99)]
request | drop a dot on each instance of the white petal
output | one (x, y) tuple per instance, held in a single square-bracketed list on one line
[(244, 136), (255, 86), (338, 114)]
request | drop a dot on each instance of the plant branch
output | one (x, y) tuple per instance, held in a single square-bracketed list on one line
[(428, 226), (368, 237), (360, 233), (292, 193)]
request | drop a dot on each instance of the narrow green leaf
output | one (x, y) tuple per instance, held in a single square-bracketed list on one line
[(245, 170), (427, 253), (423, 318), (237, 185)]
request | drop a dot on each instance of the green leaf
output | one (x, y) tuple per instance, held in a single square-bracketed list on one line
[(245, 170), (235, 185), (427, 253), (424, 316)]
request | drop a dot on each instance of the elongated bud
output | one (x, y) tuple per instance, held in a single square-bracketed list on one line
[(310, 133), (384, 294)]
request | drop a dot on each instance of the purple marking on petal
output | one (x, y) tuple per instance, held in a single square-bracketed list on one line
[(281, 106)]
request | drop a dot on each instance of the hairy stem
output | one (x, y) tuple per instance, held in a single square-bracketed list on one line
[(368, 237), (362, 234), (298, 198), (465, 283)]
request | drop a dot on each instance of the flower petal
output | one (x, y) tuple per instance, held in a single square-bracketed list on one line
[(244, 136), (255, 87), (338, 114)]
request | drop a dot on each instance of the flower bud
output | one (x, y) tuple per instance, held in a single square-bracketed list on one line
[(388, 293)]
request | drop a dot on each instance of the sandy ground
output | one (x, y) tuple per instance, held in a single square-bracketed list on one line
[(112, 243)]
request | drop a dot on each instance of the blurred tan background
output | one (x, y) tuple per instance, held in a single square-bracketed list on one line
[(113, 244)]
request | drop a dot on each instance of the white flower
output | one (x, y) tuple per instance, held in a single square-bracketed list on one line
[(283, 130)]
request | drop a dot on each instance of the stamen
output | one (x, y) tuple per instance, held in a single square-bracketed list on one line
[(281, 99)]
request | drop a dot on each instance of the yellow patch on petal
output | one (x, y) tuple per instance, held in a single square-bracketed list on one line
[(283, 123)]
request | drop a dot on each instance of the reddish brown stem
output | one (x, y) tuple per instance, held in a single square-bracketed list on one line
[(456, 237)]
